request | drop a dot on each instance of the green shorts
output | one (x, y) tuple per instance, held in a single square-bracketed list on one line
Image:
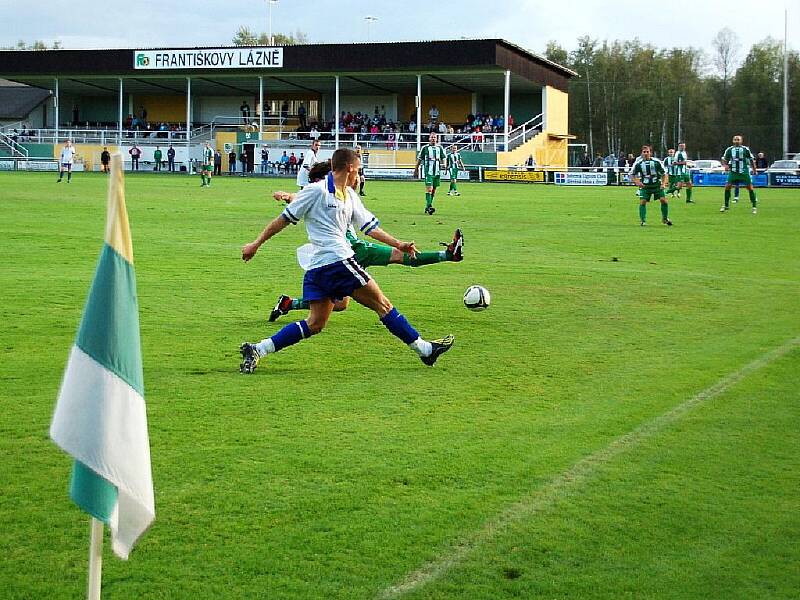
[(206, 168), (453, 174), (740, 178), (684, 178), (673, 179), (371, 255), (647, 192), (433, 180)]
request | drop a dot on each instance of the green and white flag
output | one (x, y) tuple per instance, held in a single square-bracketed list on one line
[(100, 417)]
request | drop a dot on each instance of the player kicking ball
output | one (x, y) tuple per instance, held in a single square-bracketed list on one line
[(65, 162), (431, 158), (651, 179), (328, 208), (366, 254)]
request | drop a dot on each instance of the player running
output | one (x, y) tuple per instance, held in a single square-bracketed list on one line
[(65, 161), (738, 161), (454, 164), (328, 208), (432, 159), (684, 178), (308, 164), (206, 165), (650, 177), (367, 254)]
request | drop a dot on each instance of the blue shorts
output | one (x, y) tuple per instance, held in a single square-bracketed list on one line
[(67, 165), (335, 281)]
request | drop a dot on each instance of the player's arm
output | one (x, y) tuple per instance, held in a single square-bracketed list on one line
[(725, 159), (637, 180), (277, 225), (382, 236), (419, 162), (664, 176)]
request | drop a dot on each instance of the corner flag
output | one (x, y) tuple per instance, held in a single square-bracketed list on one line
[(100, 417)]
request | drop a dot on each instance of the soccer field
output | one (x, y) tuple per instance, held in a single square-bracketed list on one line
[(624, 421)]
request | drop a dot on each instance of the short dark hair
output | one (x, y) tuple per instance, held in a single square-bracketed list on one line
[(647, 146), (342, 158), (319, 170)]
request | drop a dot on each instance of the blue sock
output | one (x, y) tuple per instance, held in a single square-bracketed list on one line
[(291, 334), (399, 326)]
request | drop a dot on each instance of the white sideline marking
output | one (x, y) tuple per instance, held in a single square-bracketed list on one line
[(578, 473)]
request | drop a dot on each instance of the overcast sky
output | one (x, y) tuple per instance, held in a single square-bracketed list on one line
[(528, 23)]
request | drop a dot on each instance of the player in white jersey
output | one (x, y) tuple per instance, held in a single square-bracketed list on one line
[(328, 209), (65, 161), (308, 163)]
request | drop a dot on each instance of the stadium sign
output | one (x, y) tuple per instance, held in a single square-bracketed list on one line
[(208, 58), (580, 178), (514, 175), (721, 178), (389, 173), (784, 180)]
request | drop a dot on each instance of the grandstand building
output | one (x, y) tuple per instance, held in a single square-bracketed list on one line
[(499, 103)]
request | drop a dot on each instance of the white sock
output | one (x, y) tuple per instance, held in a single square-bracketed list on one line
[(265, 347), (421, 347)]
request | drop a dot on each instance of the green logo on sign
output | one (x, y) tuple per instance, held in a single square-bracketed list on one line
[(142, 60)]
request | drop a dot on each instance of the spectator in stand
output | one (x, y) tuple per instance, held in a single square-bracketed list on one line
[(433, 113), (142, 115), (171, 159), (231, 162), (510, 121), (442, 127), (285, 162), (477, 140), (531, 162), (105, 160), (245, 110), (762, 164), (301, 115), (598, 163), (629, 160), (284, 111), (157, 156), (135, 155), (292, 163), (314, 133), (243, 162), (217, 162), (264, 159), (374, 131)]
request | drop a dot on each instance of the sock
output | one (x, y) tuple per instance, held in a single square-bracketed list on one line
[(643, 212), (753, 199), (452, 184), (361, 188), (428, 199), (736, 193), (265, 347), (399, 326), (290, 334), (688, 194), (664, 210), (425, 258), (69, 176), (300, 304), (421, 347), (60, 175), (727, 198), (455, 185)]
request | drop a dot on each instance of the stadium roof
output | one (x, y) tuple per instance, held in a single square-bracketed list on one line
[(448, 67), (17, 101)]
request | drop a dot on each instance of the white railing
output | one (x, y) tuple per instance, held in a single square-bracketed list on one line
[(102, 136), (16, 150)]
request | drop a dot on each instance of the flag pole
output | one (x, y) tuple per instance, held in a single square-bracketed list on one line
[(95, 560)]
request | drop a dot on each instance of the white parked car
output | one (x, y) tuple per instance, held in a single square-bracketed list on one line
[(792, 167), (708, 166)]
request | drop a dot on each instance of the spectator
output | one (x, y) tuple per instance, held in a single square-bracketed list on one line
[(142, 115), (284, 111), (245, 110), (301, 115), (217, 162), (442, 127), (531, 162), (157, 156), (510, 122), (762, 164), (433, 113), (105, 160), (285, 162), (477, 140), (629, 162), (391, 140), (585, 160), (243, 162), (171, 159), (264, 159), (135, 155), (292, 163), (231, 162), (598, 163)]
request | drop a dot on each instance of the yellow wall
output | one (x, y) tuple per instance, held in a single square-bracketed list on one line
[(171, 109), (556, 111), (89, 154), (392, 158), (452, 109), (219, 143)]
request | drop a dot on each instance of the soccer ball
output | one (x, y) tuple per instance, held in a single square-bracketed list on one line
[(477, 298)]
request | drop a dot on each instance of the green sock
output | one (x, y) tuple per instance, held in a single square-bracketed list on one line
[(299, 304), (455, 186), (425, 258), (753, 199), (643, 212), (664, 210), (727, 198), (688, 194), (428, 199)]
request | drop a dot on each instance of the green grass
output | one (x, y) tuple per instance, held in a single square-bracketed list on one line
[(344, 464)]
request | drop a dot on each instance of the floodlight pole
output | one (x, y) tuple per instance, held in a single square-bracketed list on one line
[(336, 121), (506, 108), (270, 3), (785, 84), (680, 119), (119, 141), (55, 141), (370, 20), (188, 120), (261, 105), (419, 112)]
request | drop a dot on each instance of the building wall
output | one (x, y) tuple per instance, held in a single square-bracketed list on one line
[(556, 111), (522, 106), (171, 109), (366, 104), (452, 108)]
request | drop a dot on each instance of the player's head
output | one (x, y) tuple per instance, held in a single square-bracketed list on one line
[(319, 171), (647, 152), (315, 146), (358, 150), (208, 144), (346, 161), (433, 138), (453, 149), (682, 146), (671, 152), (737, 140), (67, 144)]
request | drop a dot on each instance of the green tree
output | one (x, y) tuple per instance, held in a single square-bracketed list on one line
[(247, 37)]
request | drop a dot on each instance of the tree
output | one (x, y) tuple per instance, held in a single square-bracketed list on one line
[(726, 53), (247, 37), (556, 53), (37, 45)]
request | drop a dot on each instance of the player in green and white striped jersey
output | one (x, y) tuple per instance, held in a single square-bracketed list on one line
[(670, 167), (650, 177), (454, 164), (206, 165), (738, 161), (432, 159), (684, 178)]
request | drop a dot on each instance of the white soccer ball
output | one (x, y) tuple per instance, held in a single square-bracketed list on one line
[(477, 298)]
